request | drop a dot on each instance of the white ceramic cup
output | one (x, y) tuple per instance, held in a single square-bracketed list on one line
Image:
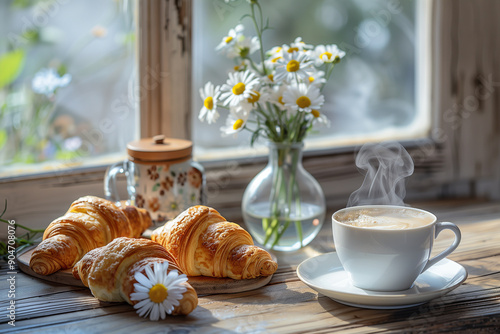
[(388, 259)]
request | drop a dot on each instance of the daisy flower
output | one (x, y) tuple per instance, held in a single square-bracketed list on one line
[(327, 54), (303, 97), (276, 50), (158, 292), (274, 95), (236, 121), (299, 44), (292, 66), (255, 97), (210, 96), (317, 78), (319, 118), (272, 62), (228, 43), (239, 87), (246, 46)]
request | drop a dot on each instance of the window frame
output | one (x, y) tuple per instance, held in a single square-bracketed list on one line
[(459, 157)]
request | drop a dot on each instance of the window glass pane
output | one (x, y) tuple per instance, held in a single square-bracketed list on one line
[(371, 91), (66, 71)]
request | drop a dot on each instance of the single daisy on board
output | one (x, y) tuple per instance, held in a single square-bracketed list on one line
[(158, 292)]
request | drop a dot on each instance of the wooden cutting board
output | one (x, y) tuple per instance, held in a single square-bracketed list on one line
[(203, 285)]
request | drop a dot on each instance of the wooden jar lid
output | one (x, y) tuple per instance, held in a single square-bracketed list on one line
[(159, 149)]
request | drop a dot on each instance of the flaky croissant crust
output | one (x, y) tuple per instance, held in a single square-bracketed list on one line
[(109, 271), (204, 243), (90, 222)]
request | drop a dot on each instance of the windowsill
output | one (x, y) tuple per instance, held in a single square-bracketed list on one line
[(244, 155), (313, 146), (58, 169)]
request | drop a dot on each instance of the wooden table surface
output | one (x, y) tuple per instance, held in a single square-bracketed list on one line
[(286, 305)]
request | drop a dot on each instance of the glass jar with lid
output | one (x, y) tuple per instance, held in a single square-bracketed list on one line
[(161, 177)]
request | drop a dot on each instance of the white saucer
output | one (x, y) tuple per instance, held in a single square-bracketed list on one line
[(325, 274)]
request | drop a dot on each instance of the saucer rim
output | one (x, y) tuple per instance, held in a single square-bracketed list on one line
[(391, 298)]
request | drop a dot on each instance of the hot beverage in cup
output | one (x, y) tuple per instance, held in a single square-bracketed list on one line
[(384, 247), (386, 219)]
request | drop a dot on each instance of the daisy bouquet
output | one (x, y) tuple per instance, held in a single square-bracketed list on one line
[(273, 93)]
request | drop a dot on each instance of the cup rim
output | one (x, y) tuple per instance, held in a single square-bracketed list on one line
[(334, 220)]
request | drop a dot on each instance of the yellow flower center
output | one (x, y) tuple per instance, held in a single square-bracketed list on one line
[(228, 39), (236, 68), (303, 102), (294, 49), (293, 66), (327, 54), (254, 97), (271, 77), (280, 100), (311, 79), (315, 113), (209, 103), (278, 49), (158, 293), (238, 124), (275, 59), (239, 88)]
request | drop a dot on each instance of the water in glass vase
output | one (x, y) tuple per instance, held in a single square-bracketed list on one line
[(283, 234)]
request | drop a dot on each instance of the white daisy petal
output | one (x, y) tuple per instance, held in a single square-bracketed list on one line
[(177, 291), (168, 305), (144, 311), (163, 311), (179, 283), (139, 295), (139, 277), (150, 274), (170, 278), (142, 304), (175, 302), (155, 312), (140, 288), (158, 272)]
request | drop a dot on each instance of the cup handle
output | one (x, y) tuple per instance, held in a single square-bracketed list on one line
[(458, 236), (110, 190)]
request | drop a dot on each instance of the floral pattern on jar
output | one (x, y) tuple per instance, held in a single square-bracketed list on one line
[(167, 190)]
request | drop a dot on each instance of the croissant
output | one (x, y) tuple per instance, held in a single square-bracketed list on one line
[(110, 271), (89, 223), (205, 244)]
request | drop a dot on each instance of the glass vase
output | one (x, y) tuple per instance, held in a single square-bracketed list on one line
[(284, 206)]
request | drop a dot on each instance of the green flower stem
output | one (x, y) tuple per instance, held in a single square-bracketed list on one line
[(329, 71), (272, 123), (284, 196), (295, 191), (259, 32), (276, 196)]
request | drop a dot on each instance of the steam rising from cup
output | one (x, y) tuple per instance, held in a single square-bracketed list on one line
[(385, 165)]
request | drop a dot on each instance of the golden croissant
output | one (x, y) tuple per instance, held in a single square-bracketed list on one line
[(204, 243), (90, 222), (110, 271)]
